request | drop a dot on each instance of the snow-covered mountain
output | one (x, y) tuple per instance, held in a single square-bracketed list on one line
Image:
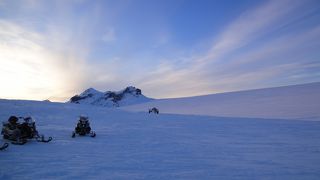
[(288, 102), (128, 96)]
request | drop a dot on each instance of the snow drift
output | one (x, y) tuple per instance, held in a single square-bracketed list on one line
[(289, 102), (133, 145)]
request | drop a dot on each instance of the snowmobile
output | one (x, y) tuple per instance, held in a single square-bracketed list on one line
[(154, 110), (83, 128), (19, 133)]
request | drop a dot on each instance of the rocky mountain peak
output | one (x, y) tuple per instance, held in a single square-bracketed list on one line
[(127, 96)]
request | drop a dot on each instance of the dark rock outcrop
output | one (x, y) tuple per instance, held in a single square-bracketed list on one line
[(129, 95)]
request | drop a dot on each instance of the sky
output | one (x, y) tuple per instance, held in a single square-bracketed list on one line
[(168, 48)]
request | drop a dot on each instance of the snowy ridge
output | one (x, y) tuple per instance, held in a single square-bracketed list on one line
[(289, 102), (127, 96)]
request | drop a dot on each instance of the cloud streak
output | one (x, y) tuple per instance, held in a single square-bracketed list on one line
[(241, 57)]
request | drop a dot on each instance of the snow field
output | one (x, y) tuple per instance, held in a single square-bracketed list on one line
[(147, 146)]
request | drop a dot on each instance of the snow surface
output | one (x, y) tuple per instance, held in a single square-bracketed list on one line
[(290, 102), (133, 145)]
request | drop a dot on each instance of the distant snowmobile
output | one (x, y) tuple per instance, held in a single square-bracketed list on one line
[(83, 128), (154, 110), (19, 133)]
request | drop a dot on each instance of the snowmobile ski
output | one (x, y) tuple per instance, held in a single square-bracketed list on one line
[(92, 134), (73, 135), (42, 139), (20, 142), (4, 146)]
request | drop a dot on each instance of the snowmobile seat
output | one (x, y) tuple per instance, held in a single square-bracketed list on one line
[(83, 126), (10, 130)]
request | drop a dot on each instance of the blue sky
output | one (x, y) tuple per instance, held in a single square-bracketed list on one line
[(55, 49)]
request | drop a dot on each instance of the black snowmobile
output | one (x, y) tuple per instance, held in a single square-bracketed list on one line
[(154, 110), (19, 133), (83, 128)]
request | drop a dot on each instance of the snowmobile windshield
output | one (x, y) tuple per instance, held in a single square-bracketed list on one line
[(83, 118), (83, 121), (13, 120), (29, 120)]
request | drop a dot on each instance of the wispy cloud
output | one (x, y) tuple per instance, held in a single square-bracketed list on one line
[(241, 57), (250, 26)]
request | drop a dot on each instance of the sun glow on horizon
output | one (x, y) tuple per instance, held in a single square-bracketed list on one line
[(54, 50), (28, 70)]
